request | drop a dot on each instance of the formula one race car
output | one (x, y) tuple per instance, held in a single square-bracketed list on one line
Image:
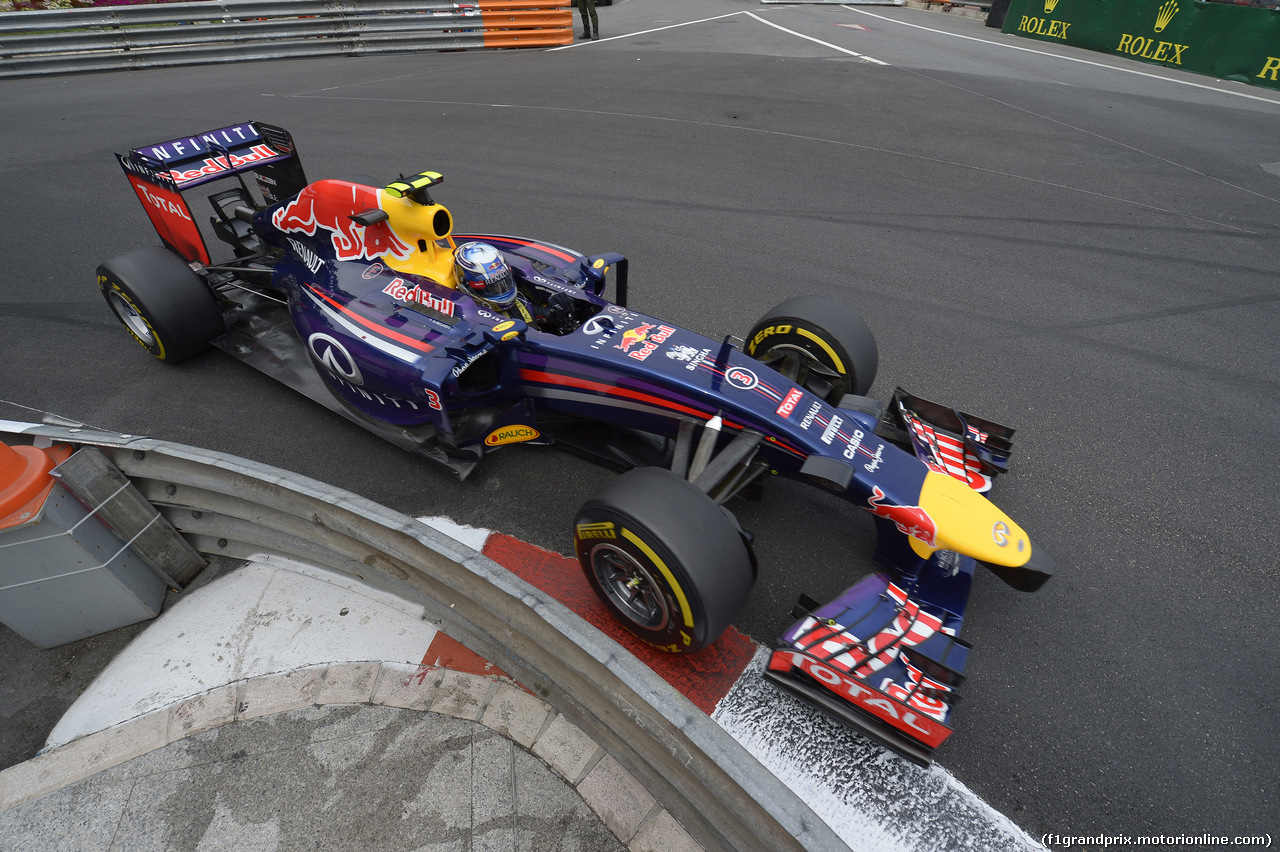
[(362, 298)]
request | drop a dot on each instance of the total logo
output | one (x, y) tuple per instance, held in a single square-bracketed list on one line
[(160, 202), (789, 403), (512, 435), (865, 697)]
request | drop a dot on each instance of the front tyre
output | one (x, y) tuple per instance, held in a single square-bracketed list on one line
[(669, 563), (820, 344), (166, 306)]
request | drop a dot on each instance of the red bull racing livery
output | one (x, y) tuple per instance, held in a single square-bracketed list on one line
[(347, 292)]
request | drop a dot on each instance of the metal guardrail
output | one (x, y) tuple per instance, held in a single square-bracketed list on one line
[(113, 38), (227, 506)]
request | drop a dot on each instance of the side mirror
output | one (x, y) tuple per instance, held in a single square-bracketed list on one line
[(599, 265)]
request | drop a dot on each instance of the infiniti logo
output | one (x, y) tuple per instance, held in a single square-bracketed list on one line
[(335, 357)]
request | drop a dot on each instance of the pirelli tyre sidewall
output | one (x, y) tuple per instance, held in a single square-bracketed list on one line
[(166, 307), (829, 332), (671, 565)]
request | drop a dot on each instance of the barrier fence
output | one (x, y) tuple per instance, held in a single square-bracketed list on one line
[(227, 506), (113, 38), (1240, 43)]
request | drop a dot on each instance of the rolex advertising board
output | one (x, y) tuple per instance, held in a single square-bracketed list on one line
[(1239, 43)]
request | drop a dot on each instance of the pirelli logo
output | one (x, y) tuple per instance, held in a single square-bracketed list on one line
[(600, 530)]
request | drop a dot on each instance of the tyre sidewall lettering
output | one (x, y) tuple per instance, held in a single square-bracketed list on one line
[(799, 335), (764, 333)]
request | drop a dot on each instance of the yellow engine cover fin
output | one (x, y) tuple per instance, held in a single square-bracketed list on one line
[(415, 187)]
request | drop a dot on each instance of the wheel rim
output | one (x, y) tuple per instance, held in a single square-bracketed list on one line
[(803, 367), (630, 587), (131, 318)]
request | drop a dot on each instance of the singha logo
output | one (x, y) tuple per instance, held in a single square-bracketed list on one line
[(1165, 15)]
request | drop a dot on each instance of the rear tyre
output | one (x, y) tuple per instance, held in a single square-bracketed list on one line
[(669, 563), (166, 306), (820, 344)]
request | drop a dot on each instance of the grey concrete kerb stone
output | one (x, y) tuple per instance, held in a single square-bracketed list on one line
[(621, 802)]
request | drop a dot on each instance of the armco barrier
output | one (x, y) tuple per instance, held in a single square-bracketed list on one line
[(234, 507), (1240, 43), (113, 38)]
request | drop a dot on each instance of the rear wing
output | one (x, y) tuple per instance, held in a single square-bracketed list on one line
[(160, 173)]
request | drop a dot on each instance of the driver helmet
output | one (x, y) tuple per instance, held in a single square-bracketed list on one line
[(485, 275)]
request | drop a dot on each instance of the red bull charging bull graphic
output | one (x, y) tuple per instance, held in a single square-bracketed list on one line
[(911, 520), (328, 205)]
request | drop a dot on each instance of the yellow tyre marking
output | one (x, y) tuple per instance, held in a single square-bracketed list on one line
[(835, 359), (666, 572), (159, 344)]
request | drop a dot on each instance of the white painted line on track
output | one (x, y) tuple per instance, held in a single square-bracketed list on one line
[(861, 56), (1046, 53)]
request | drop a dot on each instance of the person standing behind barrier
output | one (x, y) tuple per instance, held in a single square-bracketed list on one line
[(591, 26)]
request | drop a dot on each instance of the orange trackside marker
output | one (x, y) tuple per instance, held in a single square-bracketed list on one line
[(517, 19), (526, 23), (25, 482), (530, 38), (505, 5)]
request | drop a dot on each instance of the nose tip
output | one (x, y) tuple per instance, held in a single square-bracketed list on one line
[(1029, 576)]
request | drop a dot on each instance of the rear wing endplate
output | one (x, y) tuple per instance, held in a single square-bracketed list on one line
[(160, 173)]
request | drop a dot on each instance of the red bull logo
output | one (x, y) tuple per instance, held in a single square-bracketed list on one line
[(401, 292), (218, 164), (647, 339), (328, 205), (911, 520), (632, 336)]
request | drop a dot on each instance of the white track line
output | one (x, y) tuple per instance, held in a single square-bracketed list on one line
[(721, 17), (815, 40)]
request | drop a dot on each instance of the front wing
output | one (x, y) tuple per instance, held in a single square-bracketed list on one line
[(880, 659)]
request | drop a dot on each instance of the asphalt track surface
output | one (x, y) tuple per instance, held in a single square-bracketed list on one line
[(1080, 247)]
